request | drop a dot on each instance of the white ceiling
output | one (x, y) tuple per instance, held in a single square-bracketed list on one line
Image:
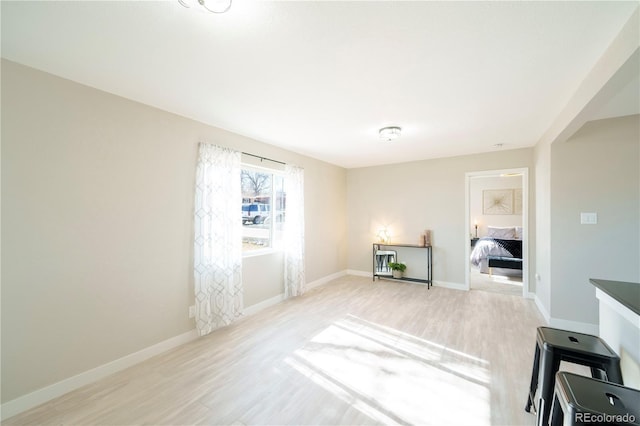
[(321, 77)]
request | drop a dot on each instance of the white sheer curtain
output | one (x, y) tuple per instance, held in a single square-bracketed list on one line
[(218, 238), (294, 279)]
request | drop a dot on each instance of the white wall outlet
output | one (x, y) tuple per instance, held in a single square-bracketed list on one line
[(192, 311), (588, 218)]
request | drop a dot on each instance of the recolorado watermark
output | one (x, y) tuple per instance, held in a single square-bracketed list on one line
[(605, 418)]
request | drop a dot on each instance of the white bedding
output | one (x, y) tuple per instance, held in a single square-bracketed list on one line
[(484, 248)]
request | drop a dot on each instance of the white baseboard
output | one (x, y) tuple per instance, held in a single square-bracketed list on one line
[(325, 280), (40, 396), (444, 284), (253, 309), (577, 326), (359, 273), (542, 309)]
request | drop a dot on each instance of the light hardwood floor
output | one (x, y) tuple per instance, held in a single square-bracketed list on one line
[(494, 283), (351, 352)]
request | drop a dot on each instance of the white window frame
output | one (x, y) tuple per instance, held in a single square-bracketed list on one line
[(272, 223)]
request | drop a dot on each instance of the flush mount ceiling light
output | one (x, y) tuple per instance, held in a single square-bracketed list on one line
[(389, 133), (213, 6)]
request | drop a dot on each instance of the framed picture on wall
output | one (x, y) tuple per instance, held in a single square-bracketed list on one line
[(497, 201)]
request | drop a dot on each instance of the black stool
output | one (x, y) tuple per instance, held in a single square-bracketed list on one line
[(554, 345), (581, 400)]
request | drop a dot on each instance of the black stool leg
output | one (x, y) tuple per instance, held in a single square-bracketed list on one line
[(549, 365), (614, 373), (534, 380), (597, 373), (557, 415)]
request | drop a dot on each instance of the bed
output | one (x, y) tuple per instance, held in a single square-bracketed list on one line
[(500, 252)]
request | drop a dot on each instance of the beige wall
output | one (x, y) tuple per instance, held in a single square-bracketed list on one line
[(606, 80), (479, 184), (596, 170), (97, 200), (410, 197), (542, 246)]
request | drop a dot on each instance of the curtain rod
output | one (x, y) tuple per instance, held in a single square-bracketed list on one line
[(264, 158)]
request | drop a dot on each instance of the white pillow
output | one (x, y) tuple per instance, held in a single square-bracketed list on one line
[(505, 233), (518, 232)]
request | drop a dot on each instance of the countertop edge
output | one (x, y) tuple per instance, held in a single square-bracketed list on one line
[(614, 289)]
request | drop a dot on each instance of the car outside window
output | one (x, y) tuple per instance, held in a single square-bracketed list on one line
[(263, 204)]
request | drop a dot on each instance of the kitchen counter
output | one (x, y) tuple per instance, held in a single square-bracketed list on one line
[(627, 294), (619, 308)]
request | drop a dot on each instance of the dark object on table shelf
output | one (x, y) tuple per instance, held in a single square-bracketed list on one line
[(382, 270)]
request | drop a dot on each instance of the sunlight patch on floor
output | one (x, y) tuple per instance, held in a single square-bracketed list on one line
[(503, 279), (394, 377)]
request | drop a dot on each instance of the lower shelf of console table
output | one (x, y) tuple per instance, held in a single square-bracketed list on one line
[(385, 253), (414, 280)]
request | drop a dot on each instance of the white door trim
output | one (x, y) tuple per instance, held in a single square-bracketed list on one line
[(525, 221)]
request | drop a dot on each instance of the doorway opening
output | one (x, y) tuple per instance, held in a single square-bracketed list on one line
[(496, 244)]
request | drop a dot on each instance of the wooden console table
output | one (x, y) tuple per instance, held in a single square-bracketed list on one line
[(385, 253)]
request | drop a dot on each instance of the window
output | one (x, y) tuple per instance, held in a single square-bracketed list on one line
[(263, 205)]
